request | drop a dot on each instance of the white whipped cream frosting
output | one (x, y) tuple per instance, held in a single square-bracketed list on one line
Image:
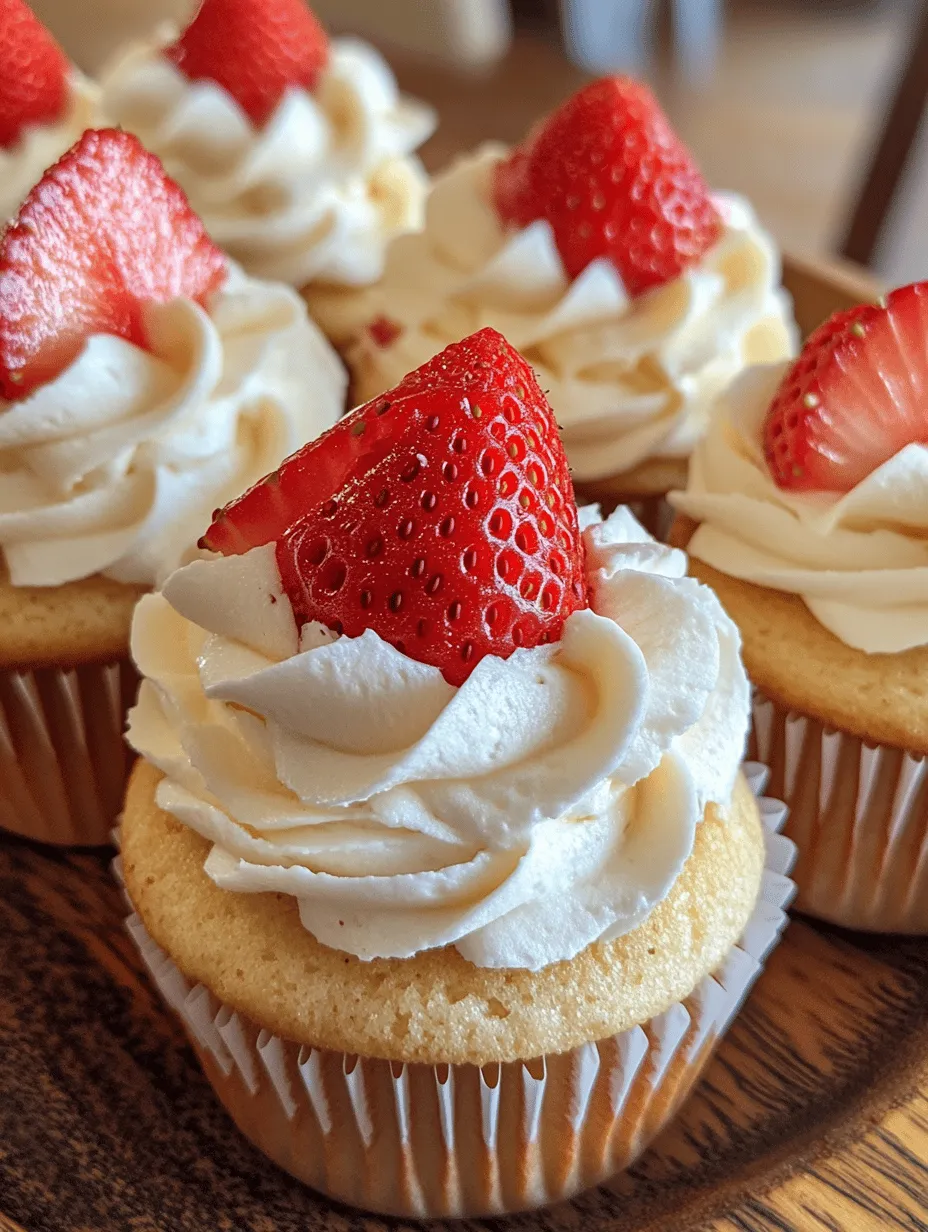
[(858, 560), (116, 465), (629, 379), (548, 803), (41, 145), (314, 195)]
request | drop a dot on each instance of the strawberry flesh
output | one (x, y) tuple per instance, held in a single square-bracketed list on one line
[(103, 233), (255, 49), (512, 197), (33, 73), (856, 395), (609, 174), (440, 514), (384, 331)]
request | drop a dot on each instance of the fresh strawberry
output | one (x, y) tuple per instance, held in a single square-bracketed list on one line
[(254, 49), (102, 233), (856, 395), (384, 331), (511, 194), (440, 514), (33, 73), (612, 178)]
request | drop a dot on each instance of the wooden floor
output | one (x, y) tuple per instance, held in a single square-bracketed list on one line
[(787, 117)]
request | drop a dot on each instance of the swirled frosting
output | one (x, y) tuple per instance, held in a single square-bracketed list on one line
[(858, 560), (548, 803), (629, 379), (316, 193), (116, 466), (40, 145)]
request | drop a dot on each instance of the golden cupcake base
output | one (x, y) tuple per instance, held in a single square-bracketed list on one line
[(845, 734), (458, 1140)]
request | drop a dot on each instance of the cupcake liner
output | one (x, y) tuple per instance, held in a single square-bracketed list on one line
[(858, 813), (429, 1141), (63, 760)]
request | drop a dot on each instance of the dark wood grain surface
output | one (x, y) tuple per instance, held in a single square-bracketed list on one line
[(106, 1122)]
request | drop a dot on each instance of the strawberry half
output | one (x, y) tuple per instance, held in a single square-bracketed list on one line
[(612, 178), (856, 395), (254, 49), (33, 73), (103, 233), (440, 514)]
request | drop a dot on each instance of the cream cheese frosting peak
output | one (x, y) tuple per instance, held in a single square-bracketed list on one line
[(858, 560), (547, 803), (629, 379), (116, 466), (316, 193)]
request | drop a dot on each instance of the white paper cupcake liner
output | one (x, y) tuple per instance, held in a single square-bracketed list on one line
[(457, 1140), (63, 760), (858, 813)]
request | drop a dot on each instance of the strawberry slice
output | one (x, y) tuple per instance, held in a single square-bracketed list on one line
[(33, 73), (612, 178), (512, 196), (440, 514), (856, 395), (102, 233), (254, 49), (384, 331)]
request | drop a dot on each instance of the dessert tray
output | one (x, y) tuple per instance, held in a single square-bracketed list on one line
[(812, 1115)]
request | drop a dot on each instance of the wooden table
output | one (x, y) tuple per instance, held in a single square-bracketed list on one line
[(813, 1115)]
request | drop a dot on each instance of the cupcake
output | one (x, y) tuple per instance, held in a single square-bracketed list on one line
[(597, 249), (143, 381), (45, 103), (297, 153), (810, 492), (438, 842)]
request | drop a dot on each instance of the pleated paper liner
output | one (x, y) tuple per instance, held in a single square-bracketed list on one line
[(429, 1141), (859, 818), (63, 760)]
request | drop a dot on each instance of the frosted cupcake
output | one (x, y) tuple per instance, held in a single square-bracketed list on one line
[(597, 249), (439, 843), (45, 103), (296, 153), (143, 380), (811, 495)]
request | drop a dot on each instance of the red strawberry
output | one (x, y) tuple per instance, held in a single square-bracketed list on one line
[(384, 331), (254, 49), (440, 514), (856, 395), (102, 233), (512, 197), (33, 73), (612, 178)]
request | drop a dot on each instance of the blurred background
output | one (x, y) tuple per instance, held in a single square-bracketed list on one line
[(812, 108)]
